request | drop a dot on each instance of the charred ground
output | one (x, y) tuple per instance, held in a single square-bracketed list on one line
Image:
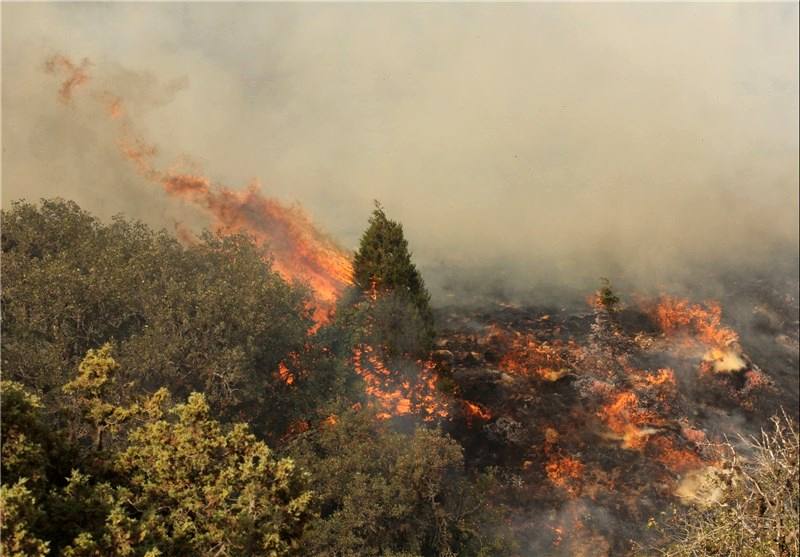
[(599, 425)]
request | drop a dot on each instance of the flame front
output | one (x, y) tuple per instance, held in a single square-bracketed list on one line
[(299, 250), (698, 322)]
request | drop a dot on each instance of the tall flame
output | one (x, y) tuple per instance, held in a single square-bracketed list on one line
[(300, 251), (676, 316)]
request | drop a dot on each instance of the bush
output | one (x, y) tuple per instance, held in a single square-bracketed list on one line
[(177, 482), (380, 492), (757, 513), (211, 317)]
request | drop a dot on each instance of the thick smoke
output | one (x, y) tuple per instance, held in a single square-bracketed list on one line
[(524, 146)]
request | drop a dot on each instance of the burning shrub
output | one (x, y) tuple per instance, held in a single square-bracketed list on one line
[(757, 512), (702, 321)]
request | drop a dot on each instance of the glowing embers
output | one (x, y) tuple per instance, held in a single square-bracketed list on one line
[(475, 411), (565, 472), (674, 458), (523, 355), (285, 375), (399, 394)]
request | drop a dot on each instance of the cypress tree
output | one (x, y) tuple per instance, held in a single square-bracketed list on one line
[(383, 266)]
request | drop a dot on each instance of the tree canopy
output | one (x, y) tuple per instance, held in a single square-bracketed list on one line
[(380, 492), (210, 317), (396, 298), (174, 482), (105, 324)]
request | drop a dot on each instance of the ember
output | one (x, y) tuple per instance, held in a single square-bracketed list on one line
[(396, 394), (589, 412), (476, 411), (565, 472)]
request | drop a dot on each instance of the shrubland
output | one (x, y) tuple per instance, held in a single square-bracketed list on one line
[(169, 399), (161, 398)]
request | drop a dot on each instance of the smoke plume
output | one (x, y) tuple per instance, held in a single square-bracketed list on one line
[(522, 146)]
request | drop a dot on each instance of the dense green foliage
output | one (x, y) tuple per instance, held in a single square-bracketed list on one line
[(212, 317), (181, 486), (380, 491), (104, 325), (25, 442), (19, 513)]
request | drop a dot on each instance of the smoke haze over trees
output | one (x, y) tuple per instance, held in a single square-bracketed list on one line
[(533, 144), (210, 347)]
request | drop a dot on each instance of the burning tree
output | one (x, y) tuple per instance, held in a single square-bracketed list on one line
[(384, 325)]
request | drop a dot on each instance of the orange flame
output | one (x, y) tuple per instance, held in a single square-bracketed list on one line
[(675, 459), (679, 317), (300, 251), (527, 356), (565, 472), (627, 420), (476, 411), (330, 421), (395, 395), (75, 75), (284, 373)]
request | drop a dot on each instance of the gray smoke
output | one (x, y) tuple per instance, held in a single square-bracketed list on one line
[(522, 146)]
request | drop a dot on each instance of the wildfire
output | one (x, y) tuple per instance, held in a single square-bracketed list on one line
[(565, 472), (299, 250), (396, 395), (724, 361), (626, 420), (675, 459), (524, 355), (474, 410), (285, 375), (694, 321), (660, 385), (76, 74), (330, 421)]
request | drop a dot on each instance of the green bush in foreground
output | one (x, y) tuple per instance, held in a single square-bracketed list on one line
[(164, 480)]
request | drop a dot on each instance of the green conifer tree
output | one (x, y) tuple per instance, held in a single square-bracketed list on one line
[(382, 267)]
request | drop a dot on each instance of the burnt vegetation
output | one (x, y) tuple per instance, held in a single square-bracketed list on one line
[(167, 398)]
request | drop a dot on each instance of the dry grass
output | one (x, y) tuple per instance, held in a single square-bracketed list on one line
[(757, 512)]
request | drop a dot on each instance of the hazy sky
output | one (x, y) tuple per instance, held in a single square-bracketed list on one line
[(554, 142)]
